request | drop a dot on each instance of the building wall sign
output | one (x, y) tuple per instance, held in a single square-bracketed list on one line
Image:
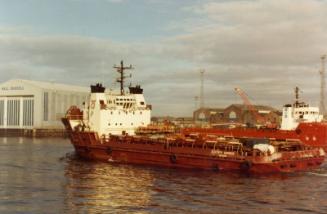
[(13, 88)]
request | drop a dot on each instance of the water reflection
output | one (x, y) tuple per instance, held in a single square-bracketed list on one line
[(97, 187), (36, 176)]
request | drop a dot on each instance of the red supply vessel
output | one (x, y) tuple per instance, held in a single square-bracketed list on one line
[(105, 130)]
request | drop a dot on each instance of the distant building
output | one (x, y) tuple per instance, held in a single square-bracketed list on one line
[(208, 115), (236, 113), (26, 104), (240, 113)]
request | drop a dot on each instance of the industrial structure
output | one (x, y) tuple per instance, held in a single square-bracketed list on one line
[(236, 114), (26, 104), (322, 85), (202, 89)]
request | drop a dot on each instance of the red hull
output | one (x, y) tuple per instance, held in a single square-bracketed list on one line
[(312, 134), (89, 146)]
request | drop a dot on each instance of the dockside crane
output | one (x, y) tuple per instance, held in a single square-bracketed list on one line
[(259, 119)]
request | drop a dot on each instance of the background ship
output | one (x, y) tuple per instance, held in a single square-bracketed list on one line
[(299, 121)]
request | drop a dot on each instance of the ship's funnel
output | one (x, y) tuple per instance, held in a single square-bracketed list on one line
[(97, 88)]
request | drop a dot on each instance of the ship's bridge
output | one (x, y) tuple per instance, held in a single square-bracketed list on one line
[(126, 102)]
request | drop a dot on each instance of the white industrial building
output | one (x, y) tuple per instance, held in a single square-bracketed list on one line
[(26, 104)]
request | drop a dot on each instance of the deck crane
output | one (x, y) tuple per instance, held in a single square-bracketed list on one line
[(260, 119)]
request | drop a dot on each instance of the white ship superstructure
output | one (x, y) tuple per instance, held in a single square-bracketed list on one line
[(299, 112), (116, 113), (109, 113)]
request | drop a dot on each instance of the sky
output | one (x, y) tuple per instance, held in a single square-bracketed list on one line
[(264, 47)]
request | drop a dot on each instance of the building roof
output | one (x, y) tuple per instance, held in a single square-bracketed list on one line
[(210, 109), (52, 85), (244, 107)]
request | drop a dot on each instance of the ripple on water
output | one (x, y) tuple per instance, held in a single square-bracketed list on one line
[(44, 176)]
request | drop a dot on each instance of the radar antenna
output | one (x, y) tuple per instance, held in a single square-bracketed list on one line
[(121, 79)]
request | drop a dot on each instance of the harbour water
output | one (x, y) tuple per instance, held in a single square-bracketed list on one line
[(44, 176)]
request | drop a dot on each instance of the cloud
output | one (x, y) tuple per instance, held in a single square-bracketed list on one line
[(264, 47), (77, 56), (84, 61), (115, 1)]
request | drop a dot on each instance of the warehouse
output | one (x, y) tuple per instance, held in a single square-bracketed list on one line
[(26, 104), (236, 113)]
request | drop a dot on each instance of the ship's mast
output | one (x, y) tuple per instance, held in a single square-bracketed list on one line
[(296, 96), (121, 69)]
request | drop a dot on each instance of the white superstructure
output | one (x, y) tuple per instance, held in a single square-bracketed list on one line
[(116, 113), (110, 113), (299, 112)]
